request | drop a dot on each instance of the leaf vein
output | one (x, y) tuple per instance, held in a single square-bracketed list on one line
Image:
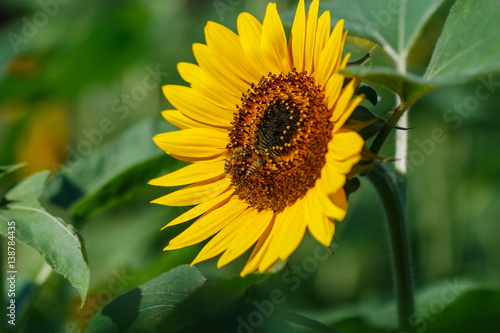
[(457, 56), (44, 212)]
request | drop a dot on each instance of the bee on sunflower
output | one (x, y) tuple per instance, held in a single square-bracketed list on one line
[(263, 123)]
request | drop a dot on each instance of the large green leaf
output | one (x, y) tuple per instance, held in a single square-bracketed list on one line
[(113, 173), (58, 242), (469, 44), (146, 307), (395, 24), (214, 301), (178, 298)]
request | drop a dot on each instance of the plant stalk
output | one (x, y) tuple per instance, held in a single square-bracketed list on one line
[(402, 145), (394, 207)]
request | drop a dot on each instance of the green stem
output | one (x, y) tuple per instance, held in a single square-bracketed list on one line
[(394, 207), (400, 165)]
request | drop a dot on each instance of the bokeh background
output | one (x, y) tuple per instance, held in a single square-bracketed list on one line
[(76, 75)]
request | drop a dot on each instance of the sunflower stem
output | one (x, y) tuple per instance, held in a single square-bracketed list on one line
[(394, 207)]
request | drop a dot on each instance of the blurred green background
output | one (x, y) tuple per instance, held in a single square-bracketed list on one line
[(76, 75)]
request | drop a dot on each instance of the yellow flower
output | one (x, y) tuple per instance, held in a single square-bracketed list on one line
[(263, 125)]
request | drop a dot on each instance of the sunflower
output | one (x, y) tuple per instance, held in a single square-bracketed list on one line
[(263, 125)]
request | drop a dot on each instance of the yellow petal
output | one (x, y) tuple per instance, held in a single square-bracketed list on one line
[(259, 250), (331, 55), (226, 46), (269, 253), (322, 35), (333, 89), (193, 105), (209, 224), (320, 227), (201, 82), (224, 238), (311, 27), (344, 106), (216, 70), (335, 179), (344, 150), (295, 229), (298, 37), (253, 228), (273, 42), (190, 174), (205, 206), (250, 32), (193, 144), (339, 199), (348, 110), (288, 231), (327, 184), (195, 194), (176, 118)]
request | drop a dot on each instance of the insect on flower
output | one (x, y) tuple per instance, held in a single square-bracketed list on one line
[(233, 156), (256, 166)]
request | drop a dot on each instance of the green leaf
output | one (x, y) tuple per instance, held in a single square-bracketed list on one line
[(30, 189), (146, 307), (472, 311), (463, 50), (114, 173), (6, 169), (59, 243), (395, 25), (407, 85), (213, 302), (172, 301), (469, 44)]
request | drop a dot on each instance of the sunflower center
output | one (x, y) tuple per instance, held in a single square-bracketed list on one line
[(279, 140), (278, 127)]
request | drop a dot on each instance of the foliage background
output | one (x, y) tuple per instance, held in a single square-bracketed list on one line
[(60, 81)]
